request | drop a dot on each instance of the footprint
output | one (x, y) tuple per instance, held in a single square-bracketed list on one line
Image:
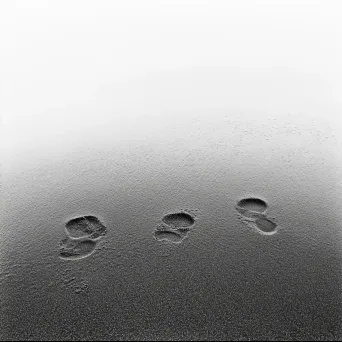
[(253, 215), (253, 209), (82, 235), (85, 226), (266, 225), (179, 220), (71, 249), (171, 236), (174, 227)]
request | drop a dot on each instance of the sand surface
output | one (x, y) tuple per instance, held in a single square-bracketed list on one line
[(164, 186)]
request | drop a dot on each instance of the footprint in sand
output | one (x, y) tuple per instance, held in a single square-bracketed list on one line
[(253, 210), (266, 225), (82, 236), (174, 227), (170, 236), (76, 249), (85, 226), (180, 220), (251, 207)]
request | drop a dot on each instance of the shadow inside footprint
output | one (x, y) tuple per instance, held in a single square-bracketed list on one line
[(252, 204), (266, 225), (249, 213), (166, 235), (179, 220), (76, 249), (85, 226)]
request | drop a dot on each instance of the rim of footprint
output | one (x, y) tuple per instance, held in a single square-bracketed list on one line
[(174, 227), (253, 210), (83, 233)]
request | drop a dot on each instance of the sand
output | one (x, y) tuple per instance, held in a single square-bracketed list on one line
[(172, 197)]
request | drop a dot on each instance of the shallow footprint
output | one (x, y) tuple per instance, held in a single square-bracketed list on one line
[(85, 226), (266, 225), (76, 249), (166, 235), (252, 215), (179, 220)]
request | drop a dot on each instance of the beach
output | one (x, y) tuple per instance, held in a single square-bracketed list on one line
[(149, 194)]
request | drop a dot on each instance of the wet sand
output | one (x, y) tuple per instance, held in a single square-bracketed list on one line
[(220, 278)]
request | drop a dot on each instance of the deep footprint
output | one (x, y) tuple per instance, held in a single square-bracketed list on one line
[(85, 226), (76, 249), (253, 204), (252, 207), (179, 220), (266, 225), (166, 235)]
